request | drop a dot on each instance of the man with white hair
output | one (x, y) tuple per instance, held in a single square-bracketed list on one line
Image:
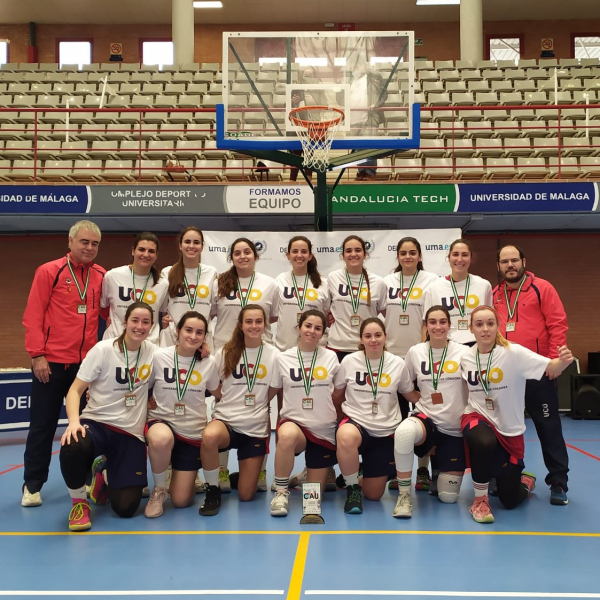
[(61, 325)]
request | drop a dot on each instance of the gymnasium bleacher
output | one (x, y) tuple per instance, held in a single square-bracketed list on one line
[(479, 121)]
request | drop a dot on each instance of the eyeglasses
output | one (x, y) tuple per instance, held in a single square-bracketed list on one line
[(507, 261)]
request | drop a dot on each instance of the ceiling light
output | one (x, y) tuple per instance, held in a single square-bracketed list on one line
[(208, 4), (436, 2)]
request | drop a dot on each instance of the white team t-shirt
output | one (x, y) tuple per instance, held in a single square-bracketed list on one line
[(359, 402), (105, 369), (511, 367), (205, 376), (264, 291), (286, 307), (342, 334), (253, 420), (176, 307), (445, 416), (319, 417), (117, 293), (401, 337), (440, 292)]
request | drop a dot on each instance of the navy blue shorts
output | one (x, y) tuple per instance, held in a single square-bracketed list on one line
[(184, 456), (449, 449), (317, 454), (125, 455), (377, 452), (247, 446)]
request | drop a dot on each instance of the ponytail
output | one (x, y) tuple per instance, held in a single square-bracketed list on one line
[(311, 265)]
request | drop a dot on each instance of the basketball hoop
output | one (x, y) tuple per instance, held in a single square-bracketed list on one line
[(316, 132)]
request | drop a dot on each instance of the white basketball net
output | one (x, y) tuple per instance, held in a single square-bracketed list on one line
[(316, 127)]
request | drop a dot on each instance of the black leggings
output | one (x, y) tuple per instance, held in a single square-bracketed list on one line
[(489, 459), (76, 461)]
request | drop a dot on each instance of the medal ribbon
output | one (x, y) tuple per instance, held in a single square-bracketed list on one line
[(307, 379), (131, 378), (191, 298), (354, 298), (485, 381), (300, 300), (182, 389), (435, 380), (135, 296), (82, 294), (374, 385), (511, 311), (244, 301), (404, 302), (461, 309), (251, 379)]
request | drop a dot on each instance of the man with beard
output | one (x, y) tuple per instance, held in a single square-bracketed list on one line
[(531, 314)]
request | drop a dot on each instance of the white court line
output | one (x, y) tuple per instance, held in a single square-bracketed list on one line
[(449, 594), (142, 593)]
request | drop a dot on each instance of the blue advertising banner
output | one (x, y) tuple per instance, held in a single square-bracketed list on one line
[(528, 197), (15, 387), (45, 199)]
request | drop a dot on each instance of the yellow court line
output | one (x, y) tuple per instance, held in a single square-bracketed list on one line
[(340, 532), (295, 589)]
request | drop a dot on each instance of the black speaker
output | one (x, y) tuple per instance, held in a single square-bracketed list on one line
[(585, 396)]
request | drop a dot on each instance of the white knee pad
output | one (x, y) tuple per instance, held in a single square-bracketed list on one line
[(449, 487), (408, 433)]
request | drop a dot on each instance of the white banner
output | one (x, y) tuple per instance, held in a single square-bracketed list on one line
[(327, 248), (269, 197)]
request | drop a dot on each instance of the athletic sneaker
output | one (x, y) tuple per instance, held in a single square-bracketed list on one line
[(199, 485), (212, 501), (493, 487), (353, 505), (529, 480), (297, 479), (481, 511), (403, 508), (433, 485), (79, 517), (99, 489), (558, 496), (224, 482), (154, 508), (279, 504), (30, 499), (423, 480), (330, 484), (261, 485)]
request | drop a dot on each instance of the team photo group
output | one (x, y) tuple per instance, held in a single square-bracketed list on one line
[(367, 369)]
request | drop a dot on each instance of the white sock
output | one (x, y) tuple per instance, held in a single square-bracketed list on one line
[(351, 479), (481, 489), (224, 459), (78, 494), (211, 477), (160, 479), (404, 485)]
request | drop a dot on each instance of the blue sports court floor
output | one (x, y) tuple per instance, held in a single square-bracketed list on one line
[(535, 551)]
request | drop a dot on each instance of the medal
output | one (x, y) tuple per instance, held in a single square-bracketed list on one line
[(130, 398), (511, 326), (181, 389), (403, 300), (298, 315), (374, 408), (375, 384), (191, 297), (179, 410), (463, 325), (354, 298), (485, 380), (404, 319), (250, 398), (244, 299), (300, 297), (307, 403), (436, 397), (139, 298), (81, 308)]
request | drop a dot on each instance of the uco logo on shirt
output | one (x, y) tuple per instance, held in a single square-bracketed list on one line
[(169, 376), (142, 374), (319, 373), (450, 303), (254, 295), (310, 294), (126, 294), (394, 293), (363, 378), (240, 371), (496, 376), (450, 366), (203, 291), (343, 291)]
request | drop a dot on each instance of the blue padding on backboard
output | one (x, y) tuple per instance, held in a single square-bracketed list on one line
[(381, 143)]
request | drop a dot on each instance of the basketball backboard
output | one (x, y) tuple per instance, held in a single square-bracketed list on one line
[(368, 75)]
